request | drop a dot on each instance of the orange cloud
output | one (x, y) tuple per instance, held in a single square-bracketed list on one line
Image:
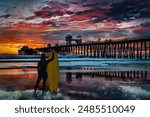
[(11, 41)]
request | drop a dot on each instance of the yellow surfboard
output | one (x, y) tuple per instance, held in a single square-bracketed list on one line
[(53, 73)]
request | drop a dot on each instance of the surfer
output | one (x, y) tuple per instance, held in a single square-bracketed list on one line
[(42, 72)]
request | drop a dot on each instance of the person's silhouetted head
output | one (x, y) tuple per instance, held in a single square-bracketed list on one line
[(43, 57)]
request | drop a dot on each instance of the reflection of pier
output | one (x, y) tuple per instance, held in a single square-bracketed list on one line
[(111, 75), (70, 75), (127, 48)]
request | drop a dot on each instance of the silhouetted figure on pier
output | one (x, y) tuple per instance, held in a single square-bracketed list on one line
[(42, 72)]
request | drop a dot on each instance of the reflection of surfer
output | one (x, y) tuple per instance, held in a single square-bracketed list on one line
[(42, 72)]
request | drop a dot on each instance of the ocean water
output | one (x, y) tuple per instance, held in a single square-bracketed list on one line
[(69, 61), (80, 78)]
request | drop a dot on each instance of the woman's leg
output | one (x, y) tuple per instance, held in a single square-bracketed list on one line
[(44, 84), (37, 83)]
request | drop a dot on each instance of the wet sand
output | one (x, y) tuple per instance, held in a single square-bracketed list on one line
[(82, 84)]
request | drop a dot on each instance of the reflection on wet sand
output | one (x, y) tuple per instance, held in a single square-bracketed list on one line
[(110, 75), (69, 76), (106, 85), (81, 83)]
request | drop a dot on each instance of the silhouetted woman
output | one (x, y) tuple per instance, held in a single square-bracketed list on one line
[(42, 72)]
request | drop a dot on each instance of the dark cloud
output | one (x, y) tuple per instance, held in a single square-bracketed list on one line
[(100, 3), (142, 32), (47, 12), (97, 19), (53, 8), (89, 14), (72, 2), (146, 24), (91, 5), (5, 16), (130, 10), (60, 35)]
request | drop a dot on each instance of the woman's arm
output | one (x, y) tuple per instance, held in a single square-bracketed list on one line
[(49, 60), (38, 67)]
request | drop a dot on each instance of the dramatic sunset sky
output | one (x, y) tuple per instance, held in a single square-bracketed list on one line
[(38, 22)]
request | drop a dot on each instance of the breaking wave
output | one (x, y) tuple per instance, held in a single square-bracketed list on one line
[(28, 95)]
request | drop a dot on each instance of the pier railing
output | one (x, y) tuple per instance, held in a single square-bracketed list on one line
[(137, 47)]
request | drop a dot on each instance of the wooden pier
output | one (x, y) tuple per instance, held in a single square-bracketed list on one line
[(138, 47)]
